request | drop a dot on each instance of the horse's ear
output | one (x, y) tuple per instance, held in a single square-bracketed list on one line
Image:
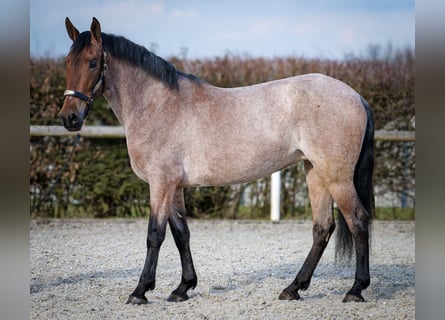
[(73, 33), (96, 34)]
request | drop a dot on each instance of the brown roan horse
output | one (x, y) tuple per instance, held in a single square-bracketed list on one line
[(182, 131)]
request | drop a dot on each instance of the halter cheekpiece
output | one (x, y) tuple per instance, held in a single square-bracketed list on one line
[(90, 99)]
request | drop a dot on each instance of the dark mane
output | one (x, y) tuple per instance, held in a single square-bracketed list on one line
[(124, 49)]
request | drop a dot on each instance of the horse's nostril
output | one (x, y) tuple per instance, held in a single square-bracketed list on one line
[(72, 118)]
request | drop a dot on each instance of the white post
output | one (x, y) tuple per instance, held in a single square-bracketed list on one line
[(275, 190)]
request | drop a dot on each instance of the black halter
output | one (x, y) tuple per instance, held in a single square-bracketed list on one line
[(90, 99)]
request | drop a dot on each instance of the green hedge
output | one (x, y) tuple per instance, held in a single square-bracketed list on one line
[(98, 182)]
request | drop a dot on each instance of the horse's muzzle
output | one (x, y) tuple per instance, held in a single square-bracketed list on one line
[(72, 121)]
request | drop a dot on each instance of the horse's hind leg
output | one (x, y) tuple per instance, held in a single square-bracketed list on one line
[(181, 234), (322, 227), (357, 219)]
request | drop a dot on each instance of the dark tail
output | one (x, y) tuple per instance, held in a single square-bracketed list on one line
[(363, 185)]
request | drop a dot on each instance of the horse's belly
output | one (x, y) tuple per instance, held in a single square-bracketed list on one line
[(238, 169)]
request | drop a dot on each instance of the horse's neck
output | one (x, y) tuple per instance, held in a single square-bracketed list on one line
[(130, 91)]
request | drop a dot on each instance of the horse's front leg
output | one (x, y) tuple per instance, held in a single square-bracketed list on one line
[(160, 207), (181, 234)]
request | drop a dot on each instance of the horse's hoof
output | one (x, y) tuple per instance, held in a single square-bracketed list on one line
[(354, 298), (287, 295), (136, 300), (175, 297)]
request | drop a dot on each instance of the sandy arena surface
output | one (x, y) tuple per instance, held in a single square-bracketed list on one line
[(85, 269)]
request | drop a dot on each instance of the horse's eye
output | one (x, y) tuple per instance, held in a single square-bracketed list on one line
[(93, 63)]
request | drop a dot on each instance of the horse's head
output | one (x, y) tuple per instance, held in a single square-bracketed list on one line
[(85, 70)]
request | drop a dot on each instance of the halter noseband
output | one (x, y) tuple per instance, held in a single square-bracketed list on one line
[(90, 99)]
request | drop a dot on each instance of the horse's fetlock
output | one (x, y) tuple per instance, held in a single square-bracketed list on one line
[(190, 283), (365, 283), (304, 285), (151, 286)]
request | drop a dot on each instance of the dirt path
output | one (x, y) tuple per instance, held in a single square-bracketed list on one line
[(86, 270)]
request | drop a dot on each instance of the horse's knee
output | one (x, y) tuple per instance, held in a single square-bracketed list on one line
[(322, 232), (179, 228), (155, 239), (156, 234)]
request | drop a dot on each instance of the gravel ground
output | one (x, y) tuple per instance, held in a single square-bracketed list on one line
[(85, 269)]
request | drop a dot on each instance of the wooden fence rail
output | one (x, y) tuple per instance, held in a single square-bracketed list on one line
[(118, 132)]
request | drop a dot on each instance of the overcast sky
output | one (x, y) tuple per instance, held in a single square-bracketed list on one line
[(325, 29)]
